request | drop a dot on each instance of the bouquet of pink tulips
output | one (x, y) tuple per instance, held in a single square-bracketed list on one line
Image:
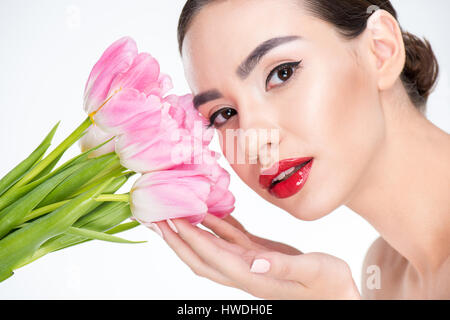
[(131, 128)]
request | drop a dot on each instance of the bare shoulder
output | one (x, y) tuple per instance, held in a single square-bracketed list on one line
[(382, 271)]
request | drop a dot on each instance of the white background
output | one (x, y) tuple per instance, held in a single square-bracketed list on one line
[(47, 51)]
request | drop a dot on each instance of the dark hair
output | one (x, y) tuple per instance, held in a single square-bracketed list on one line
[(349, 17)]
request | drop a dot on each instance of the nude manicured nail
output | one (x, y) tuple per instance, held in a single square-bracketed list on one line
[(260, 266), (172, 225), (155, 228)]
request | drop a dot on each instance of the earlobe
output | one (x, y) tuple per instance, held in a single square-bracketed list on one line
[(387, 47)]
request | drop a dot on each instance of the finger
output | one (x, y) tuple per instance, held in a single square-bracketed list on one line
[(226, 262), (228, 232), (234, 267), (304, 268), (190, 258), (231, 220), (223, 244), (267, 244), (275, 246)]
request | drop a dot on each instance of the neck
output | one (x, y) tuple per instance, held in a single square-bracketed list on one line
[(404, 193)]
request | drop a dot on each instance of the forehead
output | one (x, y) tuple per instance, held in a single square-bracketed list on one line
[(223, 33)]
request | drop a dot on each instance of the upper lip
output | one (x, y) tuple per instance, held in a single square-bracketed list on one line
[(265, 180)]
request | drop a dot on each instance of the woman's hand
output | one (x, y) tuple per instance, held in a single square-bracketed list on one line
[(261, 267)]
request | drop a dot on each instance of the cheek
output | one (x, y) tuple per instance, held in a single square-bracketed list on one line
[(339, 118), (334, 107)]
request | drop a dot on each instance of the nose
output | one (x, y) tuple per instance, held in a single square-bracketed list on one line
[(259, 135), (259, 145)]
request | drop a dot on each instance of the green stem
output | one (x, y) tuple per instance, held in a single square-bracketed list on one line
[(113, 197), (71, 139)]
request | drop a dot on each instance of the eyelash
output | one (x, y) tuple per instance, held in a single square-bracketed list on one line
[(293, 65)]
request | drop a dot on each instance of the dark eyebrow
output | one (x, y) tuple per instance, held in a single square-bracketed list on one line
[(205, 97), (255, 56), (245, 68)]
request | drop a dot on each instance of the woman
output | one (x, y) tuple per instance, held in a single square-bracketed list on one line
[(346, 89)]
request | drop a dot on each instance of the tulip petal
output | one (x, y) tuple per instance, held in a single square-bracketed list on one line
[(224, 207), (154, 148), (169, 194), (93, 138), (182, 110), (126, 109), (218, 189), (116, 59), (142, 75), (162, 86)]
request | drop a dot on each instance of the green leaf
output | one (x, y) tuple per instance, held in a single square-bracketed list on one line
[(111, 169), (108, 217), (43, 210), (22, 243), (48, 169), (118, 174), (15, 193), (90, 234), (70, 185), (123, 227), (15, 174), (61, 148), (115, 185), (76, 160), (13, 215)]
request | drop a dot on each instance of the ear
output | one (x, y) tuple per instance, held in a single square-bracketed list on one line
[(387, 47)]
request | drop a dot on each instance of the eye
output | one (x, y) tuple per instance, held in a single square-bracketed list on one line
[(221, 116), (281, 74)]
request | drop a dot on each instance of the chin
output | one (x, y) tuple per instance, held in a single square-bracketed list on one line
[(316, 200), (312, 209)]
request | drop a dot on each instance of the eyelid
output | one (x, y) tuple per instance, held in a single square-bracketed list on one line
[(220, 107)]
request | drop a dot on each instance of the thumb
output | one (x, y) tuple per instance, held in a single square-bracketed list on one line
[(303, 268)]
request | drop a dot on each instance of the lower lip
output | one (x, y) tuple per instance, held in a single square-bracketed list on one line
[(293, 184)]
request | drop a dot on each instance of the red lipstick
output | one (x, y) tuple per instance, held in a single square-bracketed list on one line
[(291, 176)]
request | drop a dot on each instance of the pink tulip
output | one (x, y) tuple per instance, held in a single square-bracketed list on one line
[(162, 86), (162, 137), (116, 59), (187, 191), (182, 110), (152, 146), (121, 67), (129, 110), (170, 194), (142, 75), (94, 137), (220, 201), (153, 133)]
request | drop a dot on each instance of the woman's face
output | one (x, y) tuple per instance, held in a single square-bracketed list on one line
[(322, 103)]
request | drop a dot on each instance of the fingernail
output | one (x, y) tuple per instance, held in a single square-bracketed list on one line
[(172, 225), (155, 228), (260, 266)]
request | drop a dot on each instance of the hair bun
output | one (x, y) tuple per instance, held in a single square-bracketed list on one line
[(421, 68)]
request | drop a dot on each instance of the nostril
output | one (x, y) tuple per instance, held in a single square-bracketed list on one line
[(268, 154), (253, 159)]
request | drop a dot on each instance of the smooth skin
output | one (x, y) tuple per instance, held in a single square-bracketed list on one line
[(374, 152)]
